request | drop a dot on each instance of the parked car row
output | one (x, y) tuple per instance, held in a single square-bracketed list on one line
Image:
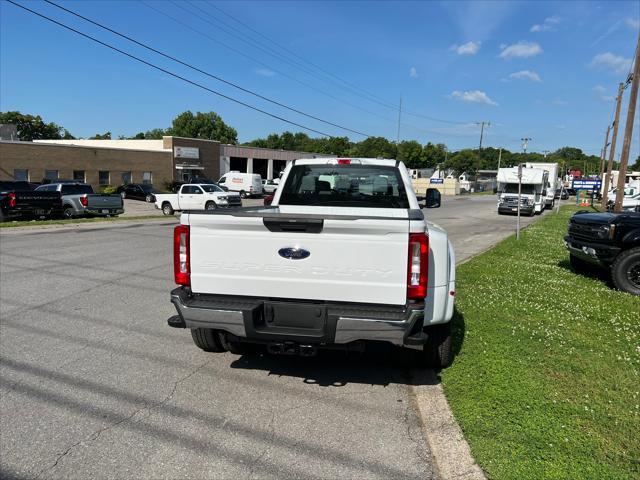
[(65, 199)]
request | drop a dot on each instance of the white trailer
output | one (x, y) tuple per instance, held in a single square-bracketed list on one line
[(533, 190), (552, 182)]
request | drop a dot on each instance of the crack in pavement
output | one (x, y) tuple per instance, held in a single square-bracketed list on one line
[(95, 435)]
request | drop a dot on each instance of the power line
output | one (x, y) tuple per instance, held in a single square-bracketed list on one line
[(175, 75), (354, 89), (260, 62), (291, 52), (246, 90)]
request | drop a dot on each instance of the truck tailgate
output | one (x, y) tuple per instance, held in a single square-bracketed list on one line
[(350, 259), (104, 201)]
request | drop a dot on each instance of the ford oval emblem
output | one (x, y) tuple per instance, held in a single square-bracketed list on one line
[(294, 253)]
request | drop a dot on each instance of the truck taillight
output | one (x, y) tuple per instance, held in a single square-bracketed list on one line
[(344, 161), (418, 266), (181, 261), (12, 200), (84, 201)]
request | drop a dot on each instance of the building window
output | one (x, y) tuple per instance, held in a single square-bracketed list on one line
[(79, 175), (126, 178), (21, 174), (103, 177), (51, 175), (146, 178)]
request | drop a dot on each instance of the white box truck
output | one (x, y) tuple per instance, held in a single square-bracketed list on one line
[(552, 181), (532, 199)]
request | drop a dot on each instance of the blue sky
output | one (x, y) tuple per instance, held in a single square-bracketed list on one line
[(544, 70)]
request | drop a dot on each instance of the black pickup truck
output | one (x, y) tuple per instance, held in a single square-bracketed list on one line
[(610, 240), (19, 201)]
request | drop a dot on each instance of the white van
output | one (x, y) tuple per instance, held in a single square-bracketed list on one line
[(247, 184)]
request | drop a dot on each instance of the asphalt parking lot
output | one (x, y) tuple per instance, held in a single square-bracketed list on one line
[(95, 385)]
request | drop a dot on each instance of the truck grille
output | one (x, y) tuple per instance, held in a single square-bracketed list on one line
[(584, 231), (512, 201)]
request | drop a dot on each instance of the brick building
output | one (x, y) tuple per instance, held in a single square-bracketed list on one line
[(114, 162)]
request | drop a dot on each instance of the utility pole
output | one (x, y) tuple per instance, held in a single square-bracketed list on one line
[(525, 143), (604, 153), (399, 117), (612, 151), (628, 130), (482, 124), (499, 157), (545, 152)]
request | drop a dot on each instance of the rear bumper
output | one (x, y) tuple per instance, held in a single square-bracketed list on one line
[(22, 211), (243, 317), (103, 211)]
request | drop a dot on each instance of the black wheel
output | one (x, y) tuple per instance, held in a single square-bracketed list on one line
[(67, 212), (123, 195), (210, 206), (3, 217), (149, 198), (243, 194), (167, 209), (207, 339), (437, 351), (625, 271), (236, 348)]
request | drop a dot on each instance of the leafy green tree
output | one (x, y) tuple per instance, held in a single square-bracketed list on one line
[(636, 166), (32, 127), (374, 147), (433, 155), (410, 152), (463, 161), (101, 136), (207, 125)]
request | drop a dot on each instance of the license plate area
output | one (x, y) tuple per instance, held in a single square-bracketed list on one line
[(293, 319), (40, 212), (105, 210)]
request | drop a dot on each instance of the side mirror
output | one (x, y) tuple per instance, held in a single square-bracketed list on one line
[(432, 199)]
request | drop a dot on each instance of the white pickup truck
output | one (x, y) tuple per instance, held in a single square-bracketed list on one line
[(196, 196), (344, 255)]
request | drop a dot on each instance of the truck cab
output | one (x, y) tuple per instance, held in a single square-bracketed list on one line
[(532, 187)]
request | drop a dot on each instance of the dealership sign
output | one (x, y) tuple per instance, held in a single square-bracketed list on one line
[(586, 184), (186, 152)]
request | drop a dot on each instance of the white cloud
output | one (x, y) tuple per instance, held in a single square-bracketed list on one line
[(265, 72), (526, 75), (413, 73), (469, 48), (560, 102), (632, 23), (521, 50), (609, 61), (548, 25), (601, 93), (473, 96)]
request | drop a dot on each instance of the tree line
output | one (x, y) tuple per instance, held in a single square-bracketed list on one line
[(210, 126)]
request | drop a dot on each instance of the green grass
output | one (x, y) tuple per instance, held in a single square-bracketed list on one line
[(78, 221), (546, 383)]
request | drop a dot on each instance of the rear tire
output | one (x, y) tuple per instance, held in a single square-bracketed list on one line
[(437, 351), (210, 206), (123, 195), (167, 209), (625, 271), (148, 199), (207, 339), (236, 348), (67, 212), (243, 194), (3, 217)]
